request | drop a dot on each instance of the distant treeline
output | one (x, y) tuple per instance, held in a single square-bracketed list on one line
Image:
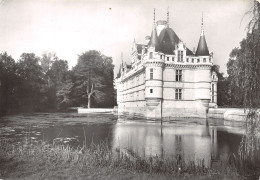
[(34, 84), (241, 88)]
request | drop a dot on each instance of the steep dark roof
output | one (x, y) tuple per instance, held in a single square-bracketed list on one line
[(167, 41), (172, 35), (139, 48), (202, 49), (189, 52), (119, 72), (154, 42)]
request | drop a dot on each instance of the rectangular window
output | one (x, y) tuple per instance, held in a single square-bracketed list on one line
[(160, 56), (192, 60), (212, 92), (151, 73), (151, 55), (167, 58), (187, 59), (178, 75), (180, 56), (172, 58), (151, 90), (204, 60), (209, 59), (198, 60), (178, 94)]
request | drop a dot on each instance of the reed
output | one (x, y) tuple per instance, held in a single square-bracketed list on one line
[(56, 156)]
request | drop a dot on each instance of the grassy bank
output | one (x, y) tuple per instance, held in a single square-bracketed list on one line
[(39, 160)]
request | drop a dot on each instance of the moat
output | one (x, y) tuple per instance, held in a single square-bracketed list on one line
[(192, 139)]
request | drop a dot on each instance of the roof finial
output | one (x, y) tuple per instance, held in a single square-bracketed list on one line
[(202, 27), (122, 58), (168, 16), (153, 15)]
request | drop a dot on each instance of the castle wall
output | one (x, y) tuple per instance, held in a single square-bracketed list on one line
[(172, 108)]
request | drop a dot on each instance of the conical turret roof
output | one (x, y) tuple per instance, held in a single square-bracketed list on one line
[(202, 49), (154, 42)]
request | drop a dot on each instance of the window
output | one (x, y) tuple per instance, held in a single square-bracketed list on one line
[(178, 94), (172, 58), (167, 58), (187, 59), (212, 92), (151, 73), (204, 59), (198, 60), (160, 56), (151, 55), (192, 60), (178, 75), (180, 56), (209, 59), (151, 90)]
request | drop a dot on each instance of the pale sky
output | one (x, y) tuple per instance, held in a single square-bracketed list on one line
[(71, 27)]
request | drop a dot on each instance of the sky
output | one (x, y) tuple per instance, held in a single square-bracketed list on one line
[(71, 27)]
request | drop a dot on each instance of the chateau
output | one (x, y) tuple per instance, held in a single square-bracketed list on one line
[(165, 78)]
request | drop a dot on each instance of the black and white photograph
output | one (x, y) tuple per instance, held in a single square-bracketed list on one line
[(130, 89)]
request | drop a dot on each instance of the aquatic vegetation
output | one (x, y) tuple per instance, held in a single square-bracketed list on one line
[(55, 156)]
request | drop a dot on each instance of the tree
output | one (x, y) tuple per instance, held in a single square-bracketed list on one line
[(8, 84), (47, 60), (93, 71), (33, 85), (61, 83), (244, 70)]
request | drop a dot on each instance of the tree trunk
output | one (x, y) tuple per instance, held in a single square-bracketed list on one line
[(89, 95)]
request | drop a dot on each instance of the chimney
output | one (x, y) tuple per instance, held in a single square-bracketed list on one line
[(147, 39)]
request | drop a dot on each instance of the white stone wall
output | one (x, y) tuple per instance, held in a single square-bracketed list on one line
[(134, 87)]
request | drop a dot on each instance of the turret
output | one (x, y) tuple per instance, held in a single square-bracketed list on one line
[(202, 92), (154, 76)]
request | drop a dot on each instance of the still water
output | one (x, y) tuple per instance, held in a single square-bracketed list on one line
[(193, 139)]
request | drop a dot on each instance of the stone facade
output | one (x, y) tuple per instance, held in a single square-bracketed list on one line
[(166, 79)]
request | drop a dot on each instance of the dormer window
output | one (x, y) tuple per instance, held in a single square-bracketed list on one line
[(180, 56), (151, 55)]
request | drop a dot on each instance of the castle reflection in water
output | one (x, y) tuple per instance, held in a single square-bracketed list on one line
[(192, 142)]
